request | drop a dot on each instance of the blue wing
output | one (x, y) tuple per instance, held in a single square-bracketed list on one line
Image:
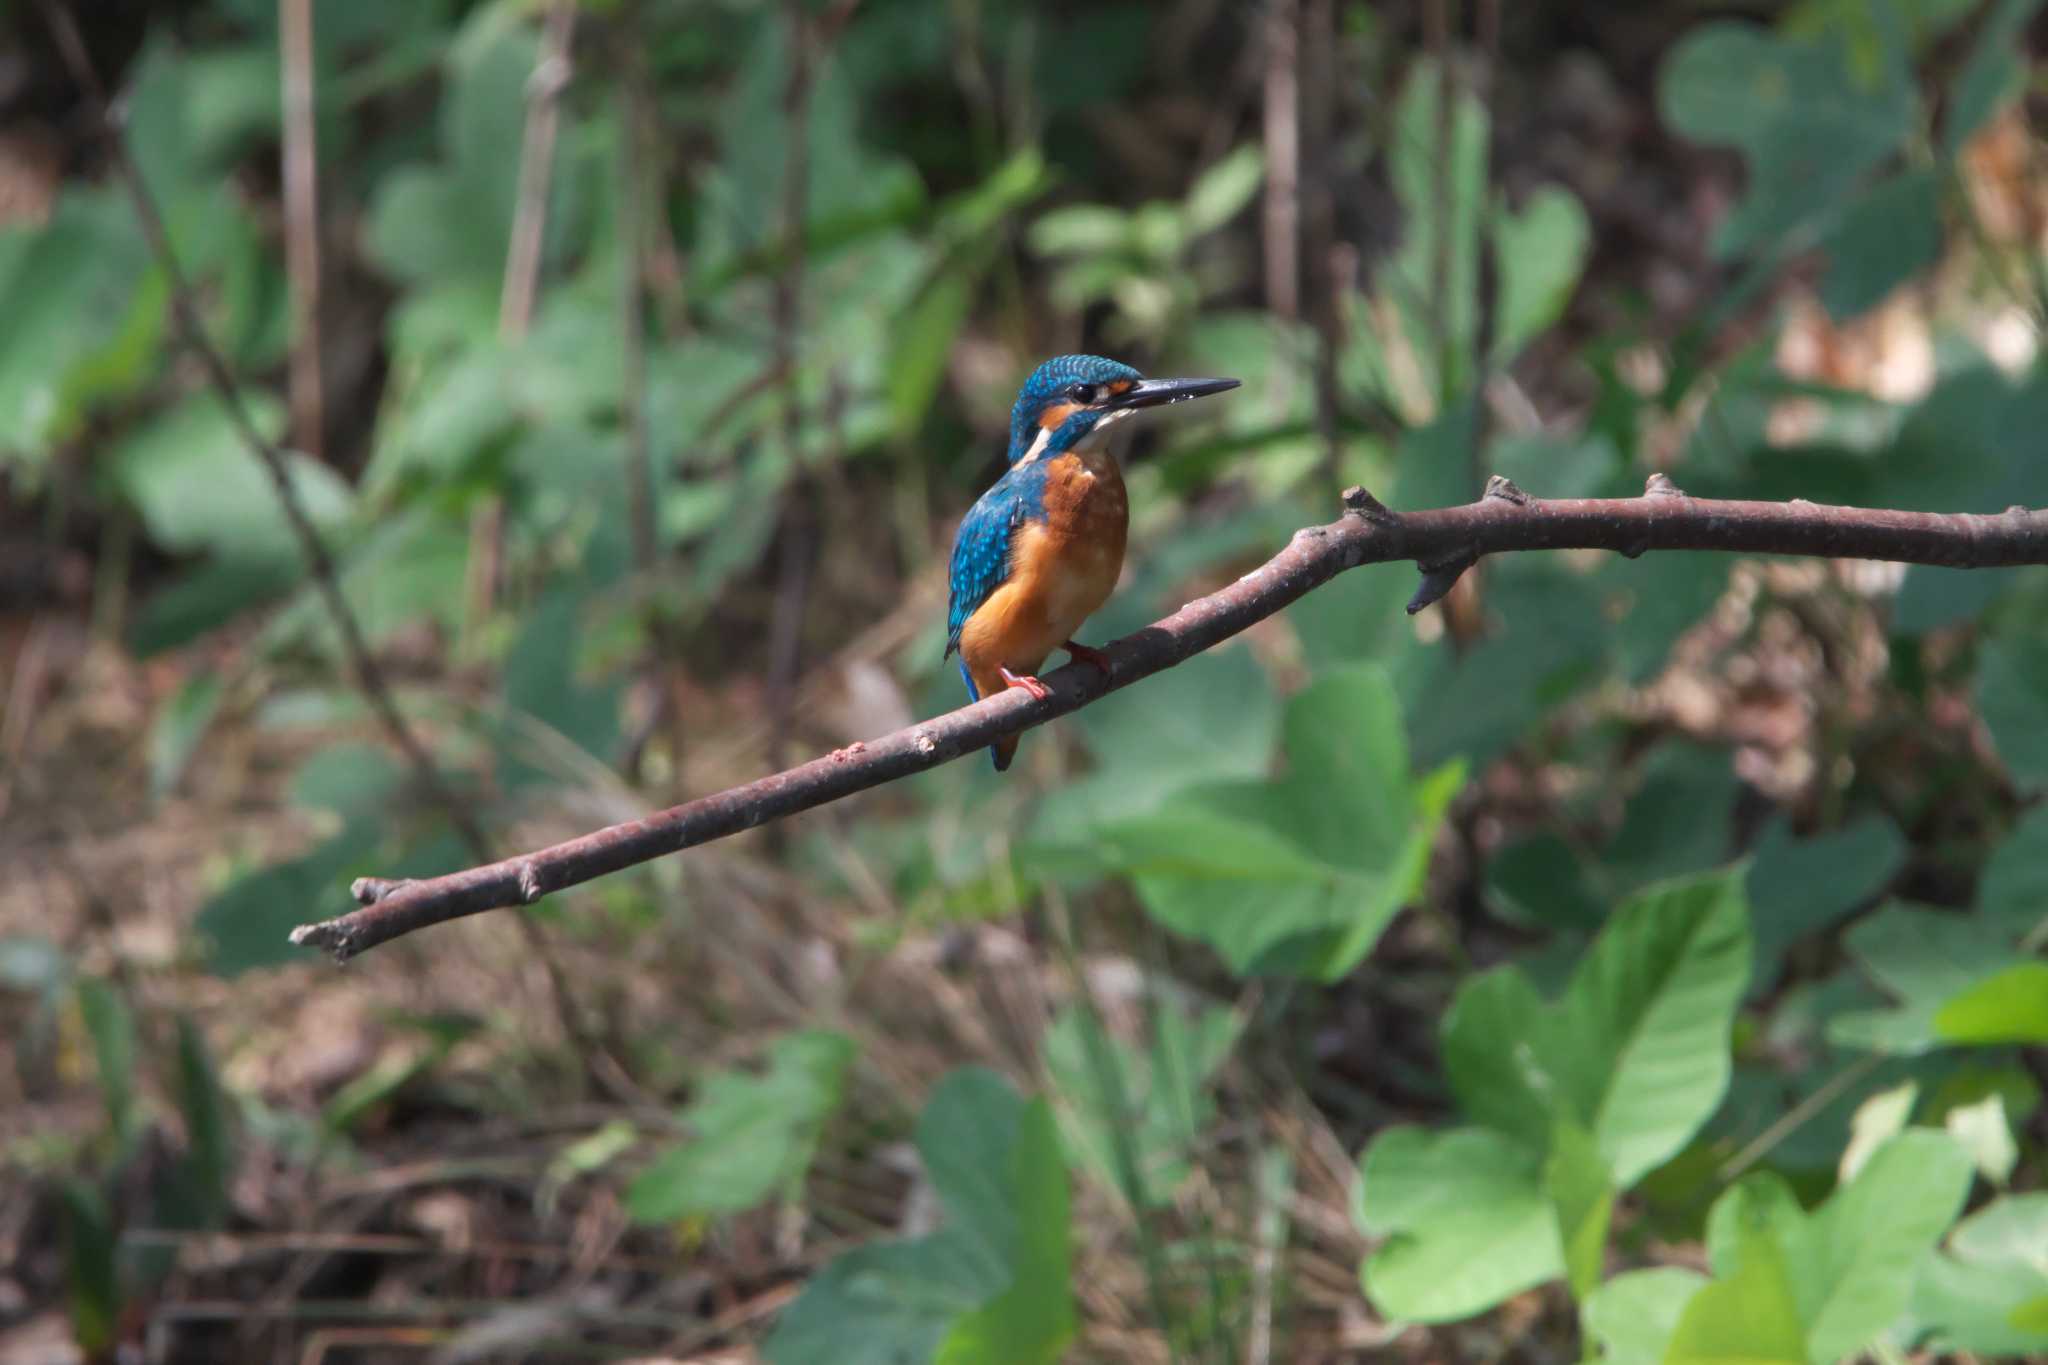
[(981, 553)]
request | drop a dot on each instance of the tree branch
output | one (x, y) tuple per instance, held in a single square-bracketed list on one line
[(1441, 542)]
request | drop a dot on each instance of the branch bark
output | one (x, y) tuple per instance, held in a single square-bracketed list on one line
[(1441, 542)]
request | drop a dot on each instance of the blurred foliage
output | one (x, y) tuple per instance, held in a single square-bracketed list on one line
[(1679, 1001)]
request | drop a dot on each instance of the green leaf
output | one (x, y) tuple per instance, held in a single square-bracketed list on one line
[(1985, 1292), (1636, 1051), (1844, 1272), (1809, 129), (754, 1135), (1633, 1316), (1581, 1197), (1676, 822), (1796, 1287), (1926, 958), (1463, 1221), (541, 686), (1539, 253), (1298, 875), (452, 220), (75, 294), (1438, 226), (1801, 886), (1221, 192), (350, 779), (2012, 690), (1995, 73), (92, 1288), (245, 924), (1079, 229), (111, 1025), (1933, 597), (1480, 704), (2013, 892), (2010, 1006), (1748, 1313), (208, 1161), (1855, 1259), (989, 1287), (1889, 235), (200, 488), (1158, 1099), (1215, 721), (180, 724)]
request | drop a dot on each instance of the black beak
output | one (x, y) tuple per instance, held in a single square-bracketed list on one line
[(1150, 393)]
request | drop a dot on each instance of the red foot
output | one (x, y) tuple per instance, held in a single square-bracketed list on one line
[(1038, 690), (1089, 655)]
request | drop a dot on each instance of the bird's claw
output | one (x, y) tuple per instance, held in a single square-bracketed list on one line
[(1038, 690)]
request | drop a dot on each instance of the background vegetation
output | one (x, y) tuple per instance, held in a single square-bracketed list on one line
[(1633, 961)]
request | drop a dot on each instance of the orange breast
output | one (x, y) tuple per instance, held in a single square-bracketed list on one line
[(1061, 569)]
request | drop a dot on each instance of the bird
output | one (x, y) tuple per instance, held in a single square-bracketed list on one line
[(1040, 551)]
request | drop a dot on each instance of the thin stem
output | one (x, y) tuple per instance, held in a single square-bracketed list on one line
[(302, 221), (1796, 1117), (633, 263)]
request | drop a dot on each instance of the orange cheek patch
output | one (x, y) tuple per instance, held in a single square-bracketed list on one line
[(1051, 418), (1121, 387)]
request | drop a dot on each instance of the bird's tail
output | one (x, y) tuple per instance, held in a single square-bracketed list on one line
[(1003, 750)]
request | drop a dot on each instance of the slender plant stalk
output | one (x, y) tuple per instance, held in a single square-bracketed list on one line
[(302, 222)]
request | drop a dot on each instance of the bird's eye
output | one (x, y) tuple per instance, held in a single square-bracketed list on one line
[(1083, 393)]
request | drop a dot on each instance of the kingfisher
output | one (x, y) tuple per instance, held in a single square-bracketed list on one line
[(1040, 551)]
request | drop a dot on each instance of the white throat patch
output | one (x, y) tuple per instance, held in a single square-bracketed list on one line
[(1090, 444)]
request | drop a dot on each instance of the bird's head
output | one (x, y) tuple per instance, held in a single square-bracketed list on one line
[(1072, 397)]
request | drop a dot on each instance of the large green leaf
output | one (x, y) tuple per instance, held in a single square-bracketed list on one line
[(991, 1287), (1809, 125), (1988, 1291), (1797, 1287), (74, 291), (199, 488), (753, 1136), (1636, 1051), (1632, 1316), (1748, 1313), (1298, 875), (1213, 720), (1462, 1218)]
